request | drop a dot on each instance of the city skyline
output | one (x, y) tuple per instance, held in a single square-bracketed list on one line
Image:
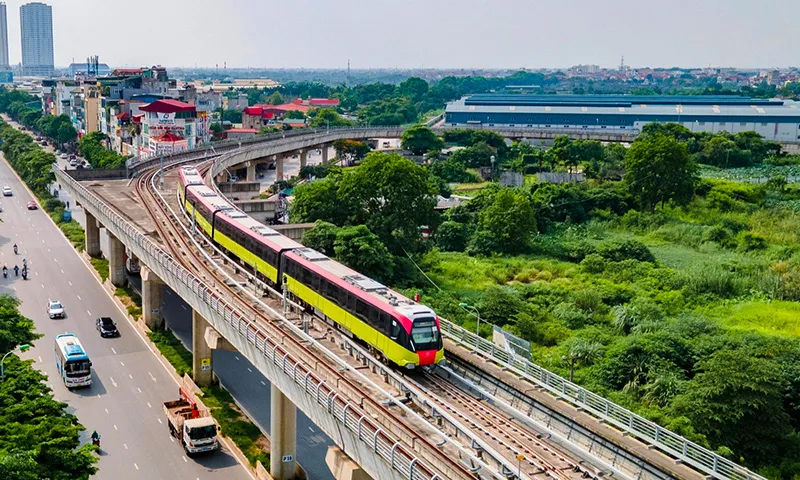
[(36, 24), (418, 34)]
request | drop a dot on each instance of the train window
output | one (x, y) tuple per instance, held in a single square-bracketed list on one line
[(307, 276), (385, 320), (315, 282), (362, 309), (395, 330), (374, 316), (332, 292), (351, 302)]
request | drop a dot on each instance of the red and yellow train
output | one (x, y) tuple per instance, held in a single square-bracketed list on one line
[(401, 330)]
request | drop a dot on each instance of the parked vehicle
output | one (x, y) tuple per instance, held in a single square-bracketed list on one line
[(191, 424)]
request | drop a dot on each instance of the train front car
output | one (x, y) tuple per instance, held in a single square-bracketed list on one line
[(424, 335)]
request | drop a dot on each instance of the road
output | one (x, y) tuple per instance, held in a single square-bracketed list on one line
[(130, 383)]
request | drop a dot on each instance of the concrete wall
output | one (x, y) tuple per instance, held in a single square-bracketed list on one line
[(97, 174)]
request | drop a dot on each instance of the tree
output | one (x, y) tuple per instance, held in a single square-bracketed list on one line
[(321, 238), (499, 305), (276, 98), (452, 170), (362, 250), (351, 151), (322, 200), (394, 197), (509, 218), (327, 117), (297, 114), (233, 116), (451, 236), (66, 134), (475, 156), (15, 329), (737, 401), (420, 139), (579, 352), (413, 87), (658, 168)]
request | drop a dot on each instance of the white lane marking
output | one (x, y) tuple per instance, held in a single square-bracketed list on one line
[(151, 376), (43, 285), (70, 283), (36, 273), (312, 430), (125, 445), (112, 381), (148, 405), (237, 358), (140, 390), (79, 297), (40, 359), (115, 427), (106, 410), (49, 250), (131, 376), (184, 307), (90, 313), (62, 271), (159, 421), (171, 439), (184, 459), (115, 352), (249, 370), (262, 383), (55, 260), (136, 466)]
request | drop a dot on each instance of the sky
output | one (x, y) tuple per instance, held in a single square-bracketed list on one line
[(422, 33)]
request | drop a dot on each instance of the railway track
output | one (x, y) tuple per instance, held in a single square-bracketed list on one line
[(539, 459), (440, 459)]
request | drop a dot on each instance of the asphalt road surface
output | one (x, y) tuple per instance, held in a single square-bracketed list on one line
[(130, 383)]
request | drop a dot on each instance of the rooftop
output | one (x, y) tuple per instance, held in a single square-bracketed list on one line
[(168, 106)]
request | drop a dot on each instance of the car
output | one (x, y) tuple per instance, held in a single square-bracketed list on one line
[(32, 206), (106, 327), (55, 309), (73, 157), (73, 163), (63, 156), (7, 191)]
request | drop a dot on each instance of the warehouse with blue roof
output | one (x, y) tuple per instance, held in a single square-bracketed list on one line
[(774, 119)]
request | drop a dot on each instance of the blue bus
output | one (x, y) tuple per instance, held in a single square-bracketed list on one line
[(72, 361)]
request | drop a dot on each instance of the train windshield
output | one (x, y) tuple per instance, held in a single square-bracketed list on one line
[(425, 335)]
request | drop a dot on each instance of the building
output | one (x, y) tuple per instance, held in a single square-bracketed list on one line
[(91, 109), (239, 133), (76, 68), (37, 39), (4, 63), (777, 120), (168, 126), (239, 103)]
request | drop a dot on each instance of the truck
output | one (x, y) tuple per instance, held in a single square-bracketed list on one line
[(191, 424)]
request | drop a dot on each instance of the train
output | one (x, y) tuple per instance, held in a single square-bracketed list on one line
[(396, 328)]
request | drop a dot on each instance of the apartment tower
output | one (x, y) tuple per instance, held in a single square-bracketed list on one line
[(36, 20)]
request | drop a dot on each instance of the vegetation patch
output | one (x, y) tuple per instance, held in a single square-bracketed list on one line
[(173, 350), (234, 424), (101, 266)]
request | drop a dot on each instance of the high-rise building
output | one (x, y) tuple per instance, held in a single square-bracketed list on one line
[(4, 64), (36, 19)]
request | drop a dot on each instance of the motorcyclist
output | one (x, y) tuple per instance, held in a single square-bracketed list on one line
[(16, 270), (24, 262), (24, 273), (5, 271), (95, 438), (15, 249)]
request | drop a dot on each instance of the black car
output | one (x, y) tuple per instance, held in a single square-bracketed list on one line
[(107, 327)]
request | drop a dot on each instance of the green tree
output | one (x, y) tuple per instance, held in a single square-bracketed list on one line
[(66, 134), (509, 218), (499, 305), (413, 87), (420, 139), (321, 238), (477, 155), (297, 114), (351, 151), (737, 401), (658, 168), (362, 250), (276, 98), (579, 352), (327, 117), (451, 236), (15, 329), (394, 197), (322, 200)]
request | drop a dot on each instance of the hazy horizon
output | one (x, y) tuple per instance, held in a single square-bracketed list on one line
[(432, 34)]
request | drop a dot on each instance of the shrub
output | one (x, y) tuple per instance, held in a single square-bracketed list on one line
[(572, 316), (617, 251), (749, 241), (720, 235), (575, 251), (593, 263), (451, 236), (483, 243)]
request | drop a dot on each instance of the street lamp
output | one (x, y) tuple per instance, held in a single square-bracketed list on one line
[(467, 306), (21, 348)]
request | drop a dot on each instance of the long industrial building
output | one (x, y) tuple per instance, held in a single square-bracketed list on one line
[(774, 119)]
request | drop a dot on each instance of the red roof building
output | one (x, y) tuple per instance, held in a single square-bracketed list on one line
[(168, 106), (324, 102)]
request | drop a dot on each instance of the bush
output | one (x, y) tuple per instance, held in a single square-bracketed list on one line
[(617, 251), (483, 243), (593, 263), (749, 241), (572, 316), (451, 236)]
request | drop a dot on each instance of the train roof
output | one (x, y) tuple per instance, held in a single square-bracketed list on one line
[(215, 201), (372, 289)]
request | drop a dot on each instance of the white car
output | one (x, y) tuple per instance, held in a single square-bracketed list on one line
[(64, 156), (55, 309), (73, 162), (7, 191)]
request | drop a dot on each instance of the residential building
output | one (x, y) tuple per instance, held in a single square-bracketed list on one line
[(168, 126), (263, 115), (4, 63), (239, 103), (36, 20), (777, 120), (91, 108)]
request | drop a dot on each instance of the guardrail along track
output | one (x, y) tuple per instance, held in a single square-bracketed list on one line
[(350, 393)]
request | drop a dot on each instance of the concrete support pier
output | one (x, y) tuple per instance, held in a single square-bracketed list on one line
[(201, 352), (283, 436), (324, 149), (152, 296), (92, 235), (251, 171), (279, 168), (303, 158), (116, 260), (343, 467)]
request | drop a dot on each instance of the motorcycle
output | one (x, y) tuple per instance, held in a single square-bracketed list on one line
[(24, 274), (5, 273), (96, 441), (15, 249)]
